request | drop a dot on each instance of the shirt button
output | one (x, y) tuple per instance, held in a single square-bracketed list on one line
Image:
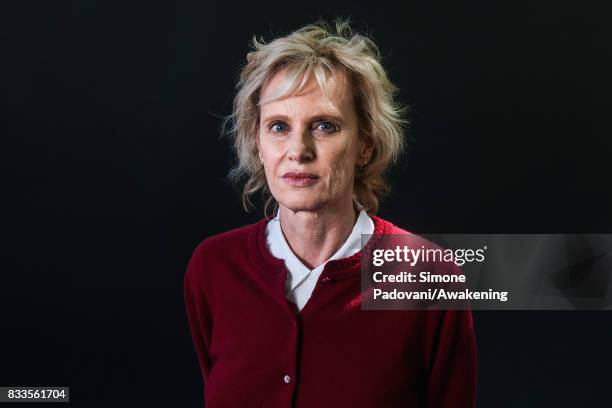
[(287, 379)]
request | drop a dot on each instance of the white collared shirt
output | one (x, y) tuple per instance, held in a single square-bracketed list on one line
[(301, 280)]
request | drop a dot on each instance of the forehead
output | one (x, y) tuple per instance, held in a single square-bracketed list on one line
[(336, 98)]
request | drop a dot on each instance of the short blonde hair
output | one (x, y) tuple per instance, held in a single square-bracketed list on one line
[(316, 50)]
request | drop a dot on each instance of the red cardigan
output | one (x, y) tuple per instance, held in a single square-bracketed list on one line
[(256, 350)]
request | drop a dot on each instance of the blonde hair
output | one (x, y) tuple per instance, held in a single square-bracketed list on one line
[(316, 50)]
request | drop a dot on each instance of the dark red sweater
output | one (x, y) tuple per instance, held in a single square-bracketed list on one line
[(256, 350)]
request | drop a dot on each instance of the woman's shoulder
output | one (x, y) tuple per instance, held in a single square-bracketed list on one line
[(229, 241), (221, 252), (384, 227)]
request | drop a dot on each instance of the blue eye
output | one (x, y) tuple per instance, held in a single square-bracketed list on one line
[(278, 127), (327, 127)]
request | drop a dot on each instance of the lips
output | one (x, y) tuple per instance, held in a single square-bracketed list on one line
[(300, 179), (300, 175)]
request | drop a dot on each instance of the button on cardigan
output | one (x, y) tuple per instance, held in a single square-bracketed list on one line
[(256, 350)]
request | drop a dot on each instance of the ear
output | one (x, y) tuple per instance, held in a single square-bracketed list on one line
[(365, 153)]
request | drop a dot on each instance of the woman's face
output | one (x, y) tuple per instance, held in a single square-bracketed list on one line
[(310, 145)]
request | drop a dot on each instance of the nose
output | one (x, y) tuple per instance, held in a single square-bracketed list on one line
[(300, 146)]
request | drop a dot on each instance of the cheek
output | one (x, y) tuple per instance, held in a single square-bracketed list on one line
[(342, 168), (270, 154)]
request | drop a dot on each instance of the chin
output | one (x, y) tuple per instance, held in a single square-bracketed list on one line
[(303, 203), (304, 206)]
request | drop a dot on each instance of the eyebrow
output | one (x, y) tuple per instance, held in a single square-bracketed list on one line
[(323, 116)]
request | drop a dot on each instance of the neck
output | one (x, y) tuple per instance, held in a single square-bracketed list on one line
[(314, 236)]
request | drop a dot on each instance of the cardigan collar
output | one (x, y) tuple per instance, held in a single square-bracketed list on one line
[(334, 269)]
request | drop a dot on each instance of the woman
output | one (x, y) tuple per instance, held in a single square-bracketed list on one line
[(271, 305)]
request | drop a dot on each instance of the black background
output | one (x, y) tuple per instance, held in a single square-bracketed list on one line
[(113, 171)]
